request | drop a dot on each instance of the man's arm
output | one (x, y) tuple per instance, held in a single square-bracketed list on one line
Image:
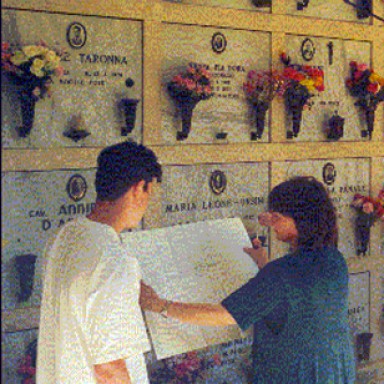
[(114, 372), (199, 314)]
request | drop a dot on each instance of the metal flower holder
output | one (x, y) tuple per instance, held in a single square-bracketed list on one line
[(25, 267)]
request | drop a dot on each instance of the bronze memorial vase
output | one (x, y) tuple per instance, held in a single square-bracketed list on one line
[(25, 267), (370, 119), (296, 97), (185, 103), (363, 224), (260, 108), (27, 106)]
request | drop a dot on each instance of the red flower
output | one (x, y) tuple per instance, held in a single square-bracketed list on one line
[(357, 75), (353, 64), (349, 83), (4, 46), (373, 88), (292, 74)]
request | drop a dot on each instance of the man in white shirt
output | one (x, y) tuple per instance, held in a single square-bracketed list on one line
[(91, 325)]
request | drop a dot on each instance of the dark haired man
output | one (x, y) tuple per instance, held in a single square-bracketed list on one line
[(91, 325)]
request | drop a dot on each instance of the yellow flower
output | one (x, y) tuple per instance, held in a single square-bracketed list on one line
[(37, 67), (34, 50), (18, 58), (52, 61), (309, 84), (375, 78)]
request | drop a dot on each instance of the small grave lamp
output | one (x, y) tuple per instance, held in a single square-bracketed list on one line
[(335, 129), (129, 107), (302, 4), (75, 131)]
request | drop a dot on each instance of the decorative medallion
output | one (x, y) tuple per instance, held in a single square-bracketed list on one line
[(308, 49), (76, 187), (76, 35), (329, 173), (219, 42), (218, 182)]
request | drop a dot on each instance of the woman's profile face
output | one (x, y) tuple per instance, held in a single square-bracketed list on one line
[(283, 226)]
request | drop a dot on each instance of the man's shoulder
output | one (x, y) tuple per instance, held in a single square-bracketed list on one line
[(82, 233)]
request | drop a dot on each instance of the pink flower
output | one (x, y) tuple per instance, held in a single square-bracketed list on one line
[(59, 71), (4, 46), (177, 79), (205, 73), (207, 90), (190, 84), (357, 75), (252, 74), (362, 67), (368, 207), (191, 70)]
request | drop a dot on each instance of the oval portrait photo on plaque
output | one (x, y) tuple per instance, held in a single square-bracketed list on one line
[(329, 173), (218, 182), (219, 42), (76, 187), (76, 35)]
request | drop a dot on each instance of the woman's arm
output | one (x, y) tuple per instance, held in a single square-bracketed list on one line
[(199, 314), (113, 372)]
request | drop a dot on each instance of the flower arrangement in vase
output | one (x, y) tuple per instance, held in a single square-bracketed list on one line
[(27, 367), (368, 87), (187, 89), (30, 68), (369, 210), (260, 89), (300, 83)]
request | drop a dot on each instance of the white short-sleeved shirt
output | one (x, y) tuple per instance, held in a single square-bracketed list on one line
[(90, 311)]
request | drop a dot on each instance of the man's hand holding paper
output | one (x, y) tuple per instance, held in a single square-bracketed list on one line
[(195, 263)]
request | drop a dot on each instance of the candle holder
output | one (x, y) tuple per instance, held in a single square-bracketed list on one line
[(129, 107)]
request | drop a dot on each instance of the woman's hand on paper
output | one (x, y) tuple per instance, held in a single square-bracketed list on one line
[(149, 299), (257, 253)]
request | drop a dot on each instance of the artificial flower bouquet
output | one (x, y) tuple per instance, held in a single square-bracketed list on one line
[(27, 367), (368, 87), (301, 83), (187, 89), (260, 88), (369, 210), (186, 368), (31, 68)]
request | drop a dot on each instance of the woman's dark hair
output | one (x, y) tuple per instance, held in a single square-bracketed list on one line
[(123, 165), (306, 201)]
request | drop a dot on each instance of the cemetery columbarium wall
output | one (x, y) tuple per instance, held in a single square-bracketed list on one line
[(120, 58)]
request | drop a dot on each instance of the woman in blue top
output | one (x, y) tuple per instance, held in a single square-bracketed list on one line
[(298, 303)]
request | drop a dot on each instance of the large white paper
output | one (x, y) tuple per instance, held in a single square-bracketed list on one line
[(199, 263)]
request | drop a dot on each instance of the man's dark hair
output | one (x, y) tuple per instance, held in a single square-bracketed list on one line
[(306, 201), (123, 165)]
